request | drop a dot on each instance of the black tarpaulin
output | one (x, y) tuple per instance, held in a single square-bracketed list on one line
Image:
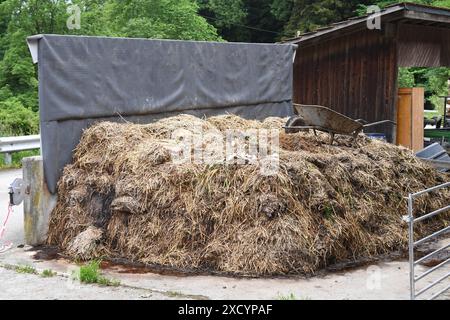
[(87, 79)]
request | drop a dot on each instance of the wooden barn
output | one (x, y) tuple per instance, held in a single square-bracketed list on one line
[(353, 69)]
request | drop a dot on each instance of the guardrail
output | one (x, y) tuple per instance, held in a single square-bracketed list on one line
[(8, 145), (413, 244)]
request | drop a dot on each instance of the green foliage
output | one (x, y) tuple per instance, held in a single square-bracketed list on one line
[(289, 296), (308, 15), (405, 78), (25, 269), (164, 19), (174, 19), (47, 273), (226, 12), (90, 273), (244, 20), (225, 15), (328, 212), (433, 80), (108, 282), (174, 294), (16, 119), (17, 158)]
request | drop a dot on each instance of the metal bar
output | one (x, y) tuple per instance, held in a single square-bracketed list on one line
[(378, 123), (412, 282), (15, 144), (431, 236), (301, 127), (8, 158), (439, 293), (18, 139), (327, 130), (445, 185), (431, 254), (432, 214), (432, 285), (423, 275), (445, 110)]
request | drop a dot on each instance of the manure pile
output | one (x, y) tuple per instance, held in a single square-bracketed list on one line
[(123, 197)]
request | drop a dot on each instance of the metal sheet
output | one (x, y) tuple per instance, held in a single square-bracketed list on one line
[(327, 119)]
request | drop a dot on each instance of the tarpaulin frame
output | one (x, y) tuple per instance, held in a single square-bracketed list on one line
[(86, 79)]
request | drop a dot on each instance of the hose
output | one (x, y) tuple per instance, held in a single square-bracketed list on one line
[(8, 245)]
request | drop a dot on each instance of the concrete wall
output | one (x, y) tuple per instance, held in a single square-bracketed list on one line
[(38, 202)]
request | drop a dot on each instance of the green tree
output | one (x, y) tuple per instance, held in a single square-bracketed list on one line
[(226, 16), (163, 19), (308, 15), (18, 81), (174, 19), (243, 20)]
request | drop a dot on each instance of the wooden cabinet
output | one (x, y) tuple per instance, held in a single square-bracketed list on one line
[(410, 122)]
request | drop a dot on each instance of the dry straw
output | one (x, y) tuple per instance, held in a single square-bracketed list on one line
[(327, 204)]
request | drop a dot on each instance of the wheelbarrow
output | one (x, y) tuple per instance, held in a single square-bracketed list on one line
[(319, 118)]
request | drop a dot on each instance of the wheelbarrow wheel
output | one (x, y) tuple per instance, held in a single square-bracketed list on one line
[(295, 121)]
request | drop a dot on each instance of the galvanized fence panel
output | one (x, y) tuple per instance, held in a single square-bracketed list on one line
[(414, 243)]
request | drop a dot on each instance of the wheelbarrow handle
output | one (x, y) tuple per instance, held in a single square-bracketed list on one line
[(379, 122)]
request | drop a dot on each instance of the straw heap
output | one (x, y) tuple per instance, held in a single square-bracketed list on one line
[(123, 197)]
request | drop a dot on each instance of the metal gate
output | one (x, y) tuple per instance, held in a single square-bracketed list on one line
[(413, 244)]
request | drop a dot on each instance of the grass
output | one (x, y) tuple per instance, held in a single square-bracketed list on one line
[(90, 273), (23, 269), (47, 273), (108, 282), (328, 212), (174, 294), (17, 159), (290, 296)]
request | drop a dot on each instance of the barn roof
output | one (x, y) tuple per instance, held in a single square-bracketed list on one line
[(407, 13)]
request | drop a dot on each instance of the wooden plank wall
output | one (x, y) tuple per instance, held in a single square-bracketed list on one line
[(423, 46), (355, 75)]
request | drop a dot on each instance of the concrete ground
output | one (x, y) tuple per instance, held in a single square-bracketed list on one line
[(386, 281)]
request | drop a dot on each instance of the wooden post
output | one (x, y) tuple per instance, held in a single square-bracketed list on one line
[(410, 121), (38, 201)]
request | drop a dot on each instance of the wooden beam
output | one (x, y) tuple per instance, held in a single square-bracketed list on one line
[(414, 15), (346, 29)]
